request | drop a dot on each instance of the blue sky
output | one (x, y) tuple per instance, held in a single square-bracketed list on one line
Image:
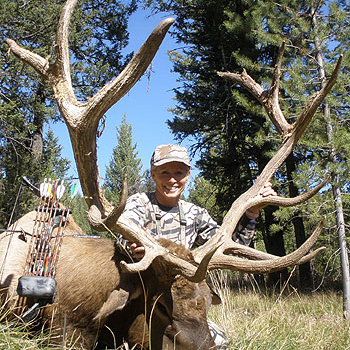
[(146, 105)]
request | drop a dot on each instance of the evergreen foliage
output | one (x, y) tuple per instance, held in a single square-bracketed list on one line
[(16, 162), (226, 127), (324, 149), (203, 194), (148, 185), (79, 212), (124, 163)]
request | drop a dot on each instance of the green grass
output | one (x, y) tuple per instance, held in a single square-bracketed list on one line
[(251, 321)]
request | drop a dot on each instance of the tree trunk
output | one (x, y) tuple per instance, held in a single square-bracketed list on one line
[(37, 143), (274, 244), (342, 244), (335, 182), (305, 275)]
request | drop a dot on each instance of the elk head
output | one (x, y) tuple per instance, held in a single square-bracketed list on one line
[(82, 120), (169, 311)]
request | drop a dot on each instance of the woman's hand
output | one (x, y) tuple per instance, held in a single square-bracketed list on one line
[(138, 251), (266, 191)]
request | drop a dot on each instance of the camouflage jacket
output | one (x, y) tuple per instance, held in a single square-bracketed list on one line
[(187, 223)]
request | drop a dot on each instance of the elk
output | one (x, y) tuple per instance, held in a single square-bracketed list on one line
[(189, 268), (92, 292)]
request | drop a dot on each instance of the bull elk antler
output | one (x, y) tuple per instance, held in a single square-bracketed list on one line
[(82, 119), (290, 133)]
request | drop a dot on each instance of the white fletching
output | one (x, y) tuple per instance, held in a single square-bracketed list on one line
[(60, 190), (46, 188), (42, 186)]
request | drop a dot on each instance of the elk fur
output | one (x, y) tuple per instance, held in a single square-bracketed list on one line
[(92, 291)]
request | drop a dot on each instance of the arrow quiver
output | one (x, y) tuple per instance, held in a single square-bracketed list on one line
[(38, 280)]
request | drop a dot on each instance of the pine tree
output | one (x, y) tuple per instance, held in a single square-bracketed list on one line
[(17, 162), (79, 212), (294, 23), (203, 194), (148, 185), (52, 164), (124, 162), (221, 125), (334, 159), (227, 125)]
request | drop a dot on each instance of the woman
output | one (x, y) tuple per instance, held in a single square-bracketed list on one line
[(165, 214)]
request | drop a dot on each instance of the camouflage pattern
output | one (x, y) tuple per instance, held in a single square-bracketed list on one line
[(245, 231), (143, 207), (218, 336), (170, 153)]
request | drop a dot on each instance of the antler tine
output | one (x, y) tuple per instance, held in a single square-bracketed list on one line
[(275, 84), (38, 63), (153, 250), (62, 49), (268, 98), (288, 202), (223, 261), (304, 119), (186, 269), (240, 250), (101, 224)]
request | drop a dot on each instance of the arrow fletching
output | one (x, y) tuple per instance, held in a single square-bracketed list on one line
[(73, 190), (60, 190), (42, 187), (47, 188)]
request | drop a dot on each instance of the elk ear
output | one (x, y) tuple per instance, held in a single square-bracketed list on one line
[(116, 301), (215, 298)]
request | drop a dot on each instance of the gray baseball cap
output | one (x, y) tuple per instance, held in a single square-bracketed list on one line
[(170, 153)]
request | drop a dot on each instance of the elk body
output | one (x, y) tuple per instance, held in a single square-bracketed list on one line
[(96, 302)]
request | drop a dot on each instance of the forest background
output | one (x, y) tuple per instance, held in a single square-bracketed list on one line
[(227, 130)]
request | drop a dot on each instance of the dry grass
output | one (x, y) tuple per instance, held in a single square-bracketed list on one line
[(254, 321)]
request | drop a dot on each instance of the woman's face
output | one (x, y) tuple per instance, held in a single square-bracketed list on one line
[(170, 179)]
